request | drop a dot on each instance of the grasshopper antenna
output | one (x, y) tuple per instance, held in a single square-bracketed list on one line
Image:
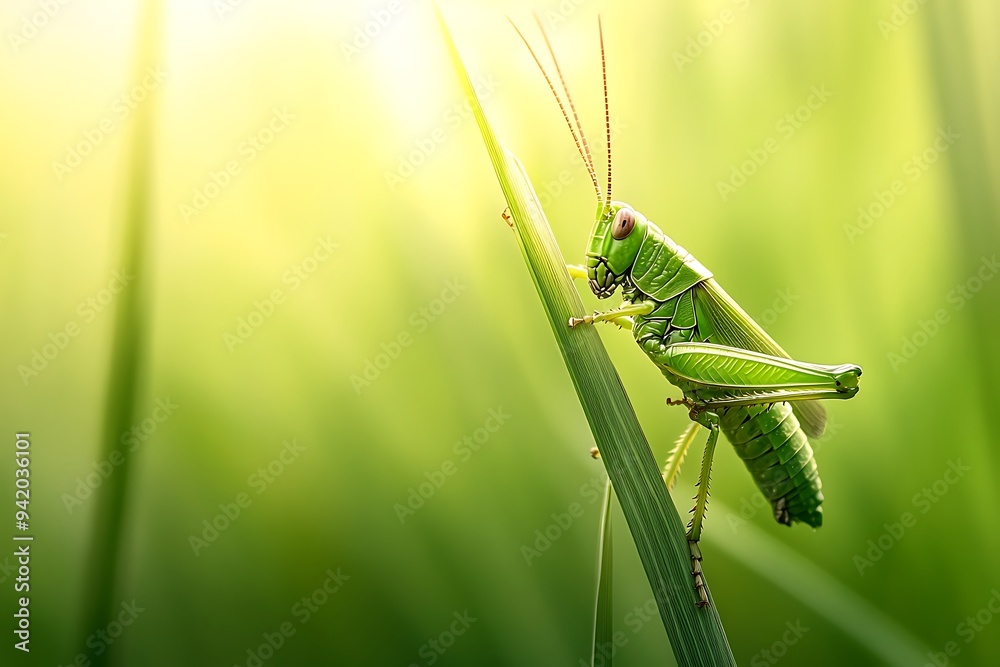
[(572, 107), (607, 115), (583, 149)]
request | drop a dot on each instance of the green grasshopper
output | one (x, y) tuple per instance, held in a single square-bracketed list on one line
[(733, 376)]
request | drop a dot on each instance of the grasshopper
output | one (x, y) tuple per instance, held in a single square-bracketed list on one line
[(732, 375)]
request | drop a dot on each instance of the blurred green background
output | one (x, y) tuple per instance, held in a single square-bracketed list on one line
[(327, 267)]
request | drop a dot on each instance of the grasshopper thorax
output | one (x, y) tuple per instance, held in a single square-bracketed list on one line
[(614, 245)]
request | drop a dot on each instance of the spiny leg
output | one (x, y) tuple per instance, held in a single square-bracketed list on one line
[(621, 316), (623, 322), (677, 454), (670, 471), (710, 420)]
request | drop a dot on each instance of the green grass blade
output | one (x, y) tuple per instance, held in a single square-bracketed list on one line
[(972, 168), (129, 344), (696, 634), (803, 580), (604, 626)]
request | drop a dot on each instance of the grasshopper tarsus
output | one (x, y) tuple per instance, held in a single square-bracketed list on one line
[(505, 214), (700, 587), (680, 401)]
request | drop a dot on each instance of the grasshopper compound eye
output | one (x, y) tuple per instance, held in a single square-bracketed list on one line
[(623, 224)]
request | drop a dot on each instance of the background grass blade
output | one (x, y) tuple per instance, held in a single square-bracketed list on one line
[(803, 580), (972, 168), (604, 625), (129, 344), (696, 634)]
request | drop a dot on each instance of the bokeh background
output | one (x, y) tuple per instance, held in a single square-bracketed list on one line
[(326, 266)]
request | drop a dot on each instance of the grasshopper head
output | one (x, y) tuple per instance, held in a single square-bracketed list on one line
[(614, 245)]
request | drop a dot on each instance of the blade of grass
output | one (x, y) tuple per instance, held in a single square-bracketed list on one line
[(604, 626), (805, 581), (696, 634), (129, 342), (973, 176)]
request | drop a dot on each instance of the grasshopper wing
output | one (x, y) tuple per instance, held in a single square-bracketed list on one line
[(721, 319)]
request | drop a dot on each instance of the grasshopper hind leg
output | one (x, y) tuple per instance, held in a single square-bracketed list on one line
[(700, 587), (709, 420)]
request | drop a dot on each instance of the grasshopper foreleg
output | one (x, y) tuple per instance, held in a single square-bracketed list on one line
[(621, 316)]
